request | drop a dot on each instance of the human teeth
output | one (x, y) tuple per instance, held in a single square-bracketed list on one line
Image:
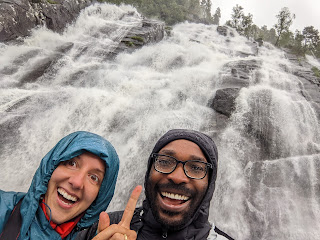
[(66, 195), (66, 203), (174, 196)]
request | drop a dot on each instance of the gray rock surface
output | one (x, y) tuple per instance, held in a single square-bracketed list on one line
[(150, 31), (18, 17), (236, 75)]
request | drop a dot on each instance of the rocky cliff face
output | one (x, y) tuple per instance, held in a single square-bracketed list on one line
[(26, 15), (18, 17), (237, 74)]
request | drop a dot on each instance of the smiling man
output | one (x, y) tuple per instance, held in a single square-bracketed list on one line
[(179, 185)]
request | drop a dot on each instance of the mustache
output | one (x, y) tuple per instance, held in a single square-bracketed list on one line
[(180, 187)]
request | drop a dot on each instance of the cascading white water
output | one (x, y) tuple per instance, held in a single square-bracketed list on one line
[(136, 97)]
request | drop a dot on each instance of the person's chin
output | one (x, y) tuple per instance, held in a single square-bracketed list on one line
[(172, 214)]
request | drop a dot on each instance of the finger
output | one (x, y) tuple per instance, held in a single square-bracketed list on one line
[(104, 221), (114, 232), (108, 232), (131, 235), (131, 206)]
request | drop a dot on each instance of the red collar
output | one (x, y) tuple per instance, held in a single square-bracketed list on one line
[(63, 229)]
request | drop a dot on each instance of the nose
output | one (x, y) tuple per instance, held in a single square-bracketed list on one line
[(178, 176), (76, 180)]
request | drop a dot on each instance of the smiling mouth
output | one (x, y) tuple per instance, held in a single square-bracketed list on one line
[(66, 198), (174, 199)]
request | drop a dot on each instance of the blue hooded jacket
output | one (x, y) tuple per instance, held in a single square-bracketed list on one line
[(34, 223)]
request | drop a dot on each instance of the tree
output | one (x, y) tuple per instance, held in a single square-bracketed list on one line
[(311, 36), (170, 11), (287, 39), (285, 19), (236, 16), (255, 32), (297, 47), (217, 16), (206, 9), (311, 40), (246, 24)]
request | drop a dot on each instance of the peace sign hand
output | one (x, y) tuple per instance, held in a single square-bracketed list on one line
[(120, 231)]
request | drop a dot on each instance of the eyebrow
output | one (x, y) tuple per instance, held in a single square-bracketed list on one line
[(169, 152), (96, 169), (99, 170), (173, 154)]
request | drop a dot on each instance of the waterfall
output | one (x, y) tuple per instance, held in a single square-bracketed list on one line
[(267, 185)]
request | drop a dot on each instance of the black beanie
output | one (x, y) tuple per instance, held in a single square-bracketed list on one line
[(205, 143)]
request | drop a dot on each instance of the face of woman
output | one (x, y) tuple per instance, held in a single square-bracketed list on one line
[(73, 186)]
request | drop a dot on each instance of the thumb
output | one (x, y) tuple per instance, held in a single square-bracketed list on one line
[(104, 221)]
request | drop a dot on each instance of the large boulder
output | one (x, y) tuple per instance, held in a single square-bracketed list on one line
[(236, 75), (18, 17)]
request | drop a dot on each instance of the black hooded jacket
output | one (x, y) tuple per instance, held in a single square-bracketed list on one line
[(198, 227)]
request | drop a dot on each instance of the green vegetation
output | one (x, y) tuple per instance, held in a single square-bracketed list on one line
[(300, 43), (172, 11), (140, 39), (129, 43), (285, 20), (51, 2), (316, 71), (241, 22), (175, 11)]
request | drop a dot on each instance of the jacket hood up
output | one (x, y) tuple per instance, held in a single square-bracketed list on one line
[(198, 224), (67, 148)]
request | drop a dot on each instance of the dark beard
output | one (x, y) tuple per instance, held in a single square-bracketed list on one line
[(155, 208)]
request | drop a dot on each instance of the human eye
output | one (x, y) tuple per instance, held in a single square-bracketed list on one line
[(94, 179), (70, 163), (164, 161), (197, 167)]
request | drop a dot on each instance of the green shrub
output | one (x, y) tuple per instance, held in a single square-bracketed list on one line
[(316, 71), (140, 39), (130, 44)]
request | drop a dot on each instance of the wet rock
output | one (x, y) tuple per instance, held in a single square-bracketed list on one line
[(38, 70), (310, 88), (225, 31), (224, 100), (237, 75), (150, 31), (18, 17)]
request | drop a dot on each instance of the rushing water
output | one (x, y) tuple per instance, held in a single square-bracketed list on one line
[(268, 180)]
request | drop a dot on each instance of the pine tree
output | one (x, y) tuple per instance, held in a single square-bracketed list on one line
[(217, 16)]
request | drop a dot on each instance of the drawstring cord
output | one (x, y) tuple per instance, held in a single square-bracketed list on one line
[(49, 215)]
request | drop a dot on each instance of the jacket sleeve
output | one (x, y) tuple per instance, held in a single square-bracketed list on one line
[(8, 200)]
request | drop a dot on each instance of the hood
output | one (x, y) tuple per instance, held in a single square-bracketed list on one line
[(210, 151), (67, 148)]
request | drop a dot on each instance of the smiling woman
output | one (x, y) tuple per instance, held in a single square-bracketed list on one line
[(73, 184)]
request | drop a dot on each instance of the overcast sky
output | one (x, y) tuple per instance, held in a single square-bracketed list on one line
[(264, 11)]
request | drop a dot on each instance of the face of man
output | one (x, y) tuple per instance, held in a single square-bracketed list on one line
[(73, 186), (175, 197)]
